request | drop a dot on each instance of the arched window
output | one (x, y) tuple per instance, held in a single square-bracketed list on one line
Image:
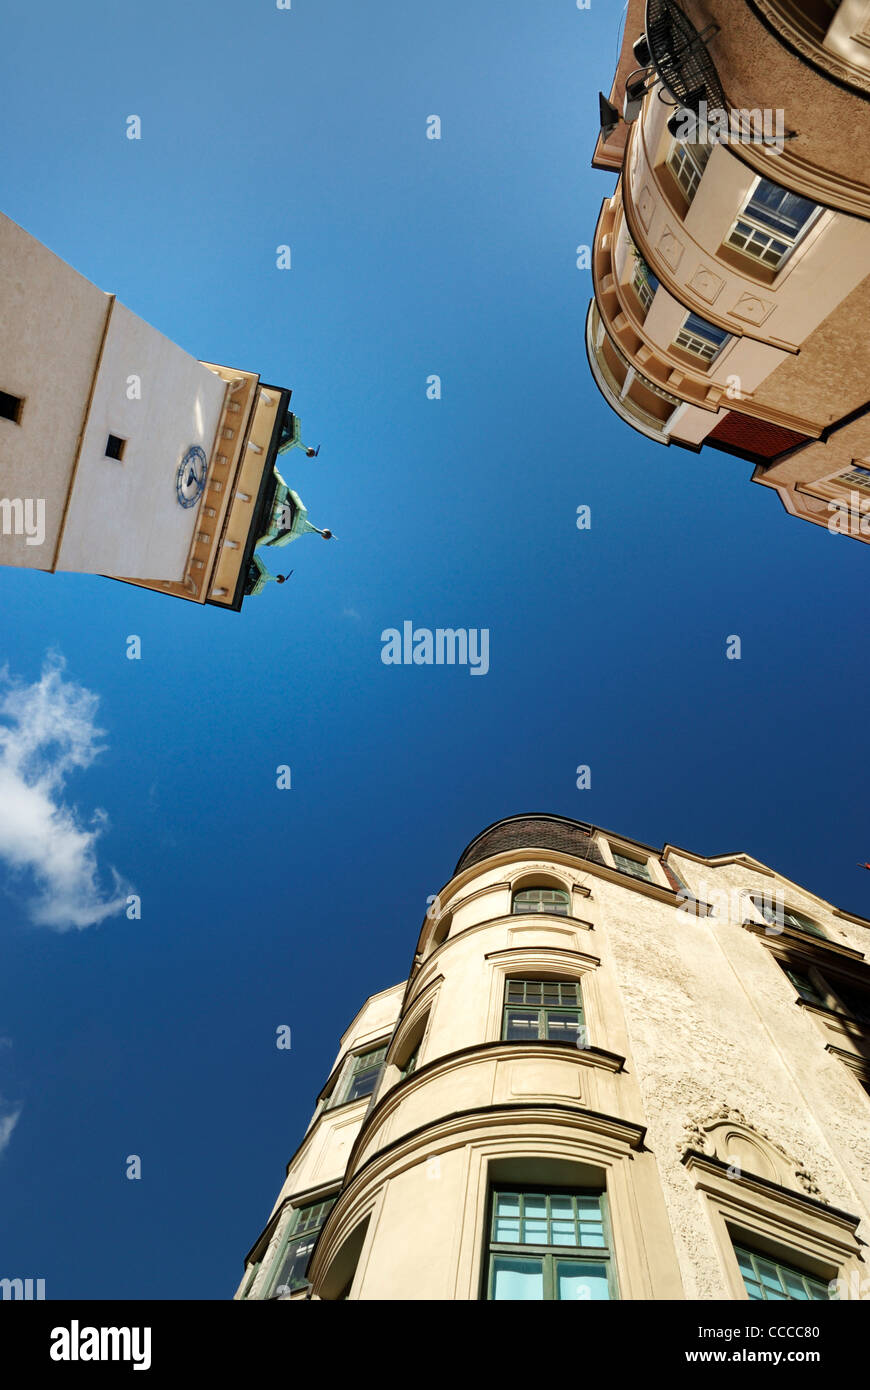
[(550, 900)]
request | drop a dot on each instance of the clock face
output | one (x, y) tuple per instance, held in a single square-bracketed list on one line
[(190, 479)]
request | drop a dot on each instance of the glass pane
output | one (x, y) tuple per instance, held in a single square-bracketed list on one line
[(794, 1285), (587, 1282), (590, 1221), (777, 208), (797, 919), (293, 1266), (562, 1028), (521, 1025), (767, 1273), (534, 1219), (517, 1279), (776, 1283), (362, 1085), (562, 1226), (506, 1222)]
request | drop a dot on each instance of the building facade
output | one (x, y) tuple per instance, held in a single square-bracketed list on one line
[(731, 265), (613, 1072), (122, 455)]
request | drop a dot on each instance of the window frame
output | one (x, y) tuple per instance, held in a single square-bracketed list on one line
[(694, 335), (348, 1073), (814, 931), (549, 1255), (680, 156), (757, 227), (794, 1270), (544, 1011), (550, 910), (645, 876), (848, 476), (293, 1234), (411, 1064)]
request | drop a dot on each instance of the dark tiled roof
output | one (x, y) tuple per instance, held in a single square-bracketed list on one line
[(533, 832), (758, 438)]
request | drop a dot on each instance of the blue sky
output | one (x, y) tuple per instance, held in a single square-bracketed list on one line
[(263, 907)]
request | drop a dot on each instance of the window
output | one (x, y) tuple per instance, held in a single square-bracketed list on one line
[(411, 1065), (644, 283), (550, 900), (843, 998), (771, 224), (115, 447), (302, 1232), (250, 1276), (700, 338), (856, 1002), (778, 916), (10, 407), (775, 1282), (544, 1010), (638, 868), (359, 1076), (804, 986), (549, 1245), (856, 476), (687, 163)]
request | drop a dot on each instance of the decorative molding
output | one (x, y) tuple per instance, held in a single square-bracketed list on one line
[(670, 248), (714, 1135), (645, 206), (706, 284), (752, 309)]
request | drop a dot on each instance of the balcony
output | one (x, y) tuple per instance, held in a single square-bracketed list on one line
[(680, 57), (636, 400)]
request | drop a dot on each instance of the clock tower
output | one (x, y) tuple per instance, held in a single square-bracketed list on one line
[(120, 454)]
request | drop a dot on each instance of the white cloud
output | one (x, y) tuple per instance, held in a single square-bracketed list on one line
[(7, 1124), (48, 732)]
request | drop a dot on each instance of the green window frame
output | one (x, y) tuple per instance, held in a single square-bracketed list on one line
[(638, 868), (553, 901), (300, 1238), (785, 917), (771, 1281), (250, 1275), (359, 1076), (550, 1244), (411, 1065), (805, 987), (544, 1011)]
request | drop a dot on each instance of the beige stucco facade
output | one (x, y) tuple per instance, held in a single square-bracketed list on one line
[(774, 362), (98, 411), (707, 1104)]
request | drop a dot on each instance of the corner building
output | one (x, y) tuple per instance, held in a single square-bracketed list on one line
[(614, 1072), (731, 276)]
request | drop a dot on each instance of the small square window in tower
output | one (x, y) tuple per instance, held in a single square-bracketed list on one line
[(10, 407), (115, 447)]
